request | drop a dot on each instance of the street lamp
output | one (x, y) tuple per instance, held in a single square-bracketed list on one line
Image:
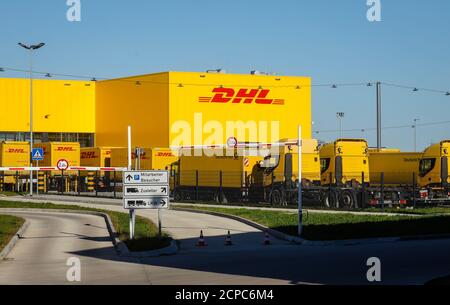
[(340, 116), (415, 133), (31, 48)]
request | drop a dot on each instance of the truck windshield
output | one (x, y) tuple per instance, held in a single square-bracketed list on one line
[(269, 163), (426, 166), (324, 164)]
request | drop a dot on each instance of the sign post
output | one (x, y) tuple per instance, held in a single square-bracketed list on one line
[(299, 187), (37, 155), (145, 190)]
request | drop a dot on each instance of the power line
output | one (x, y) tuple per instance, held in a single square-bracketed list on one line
[(138, 81), (384, 128)]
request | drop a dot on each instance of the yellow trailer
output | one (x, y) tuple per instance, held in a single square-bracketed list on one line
[(345, 161), (398, 168), (217, 174), (13, 154)]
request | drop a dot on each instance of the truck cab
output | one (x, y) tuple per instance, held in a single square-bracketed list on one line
[(344, 161), (278, 172), (433, 168)]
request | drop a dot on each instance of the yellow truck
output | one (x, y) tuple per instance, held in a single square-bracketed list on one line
[(95, 156), (13, 154), (345, 162), (214, 174), (276, 177), (434, 172)]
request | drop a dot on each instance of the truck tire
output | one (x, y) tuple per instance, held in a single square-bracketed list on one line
[(177, 195), (348, 200), (218, 197), (330, 199), (276, 197)]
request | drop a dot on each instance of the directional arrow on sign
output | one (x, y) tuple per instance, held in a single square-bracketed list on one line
[(163, 202), (129, 177), (164, 189)]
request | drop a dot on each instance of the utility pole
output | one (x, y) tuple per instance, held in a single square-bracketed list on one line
[(340, 116), (31, 48), (415, 133), (379, 115)]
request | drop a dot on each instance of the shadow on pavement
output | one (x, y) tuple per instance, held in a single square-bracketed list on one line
[(248, 256)]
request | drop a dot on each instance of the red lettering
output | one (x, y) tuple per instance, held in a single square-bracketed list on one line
[(249, 95), (220, 93)]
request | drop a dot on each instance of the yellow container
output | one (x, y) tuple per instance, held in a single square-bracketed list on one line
[(14, 154), (55, 151), (398, 167), (151, 158), (347, 158)]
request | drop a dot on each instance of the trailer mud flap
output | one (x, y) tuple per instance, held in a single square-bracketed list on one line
[(444, 170), (338, 169), (288, 167)]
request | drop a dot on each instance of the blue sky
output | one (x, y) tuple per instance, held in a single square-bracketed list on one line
[(331, 41)]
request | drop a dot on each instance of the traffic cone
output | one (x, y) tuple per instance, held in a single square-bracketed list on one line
[(228, 241), (201, 241), (266, 239)]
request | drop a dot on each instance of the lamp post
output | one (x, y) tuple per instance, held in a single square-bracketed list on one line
[(31, 48), (340, 116), (415, 133)]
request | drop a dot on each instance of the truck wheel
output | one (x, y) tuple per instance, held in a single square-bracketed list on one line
[(276, 197), (347, 199), (330, 199), (217, 198), (176, 195)]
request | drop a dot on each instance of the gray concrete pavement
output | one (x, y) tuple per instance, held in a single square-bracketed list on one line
[(40, 256), (185, 227), (247, 262)]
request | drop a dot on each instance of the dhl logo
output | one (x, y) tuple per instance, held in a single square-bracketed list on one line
[(88, 155), (16, 151), (133, 155), (244, 96), (164, 154), (64, 148)]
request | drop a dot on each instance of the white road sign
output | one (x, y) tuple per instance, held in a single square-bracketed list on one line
[(146, 177), (146, 189), (146, 203)]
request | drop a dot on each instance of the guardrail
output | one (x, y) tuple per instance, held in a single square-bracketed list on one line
[(71, 168)]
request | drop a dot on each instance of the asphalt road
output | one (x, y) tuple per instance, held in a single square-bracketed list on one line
[(53, 238)]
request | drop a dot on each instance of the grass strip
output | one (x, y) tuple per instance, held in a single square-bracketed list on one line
[(328, 226), (146, 232), (9, 225)]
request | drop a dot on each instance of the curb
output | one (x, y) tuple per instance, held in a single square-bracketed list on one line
[(120, 247), (304, 242), (256, 225), (7, 249)]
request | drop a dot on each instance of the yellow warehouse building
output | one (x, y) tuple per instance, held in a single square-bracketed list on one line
[(164, 109)]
